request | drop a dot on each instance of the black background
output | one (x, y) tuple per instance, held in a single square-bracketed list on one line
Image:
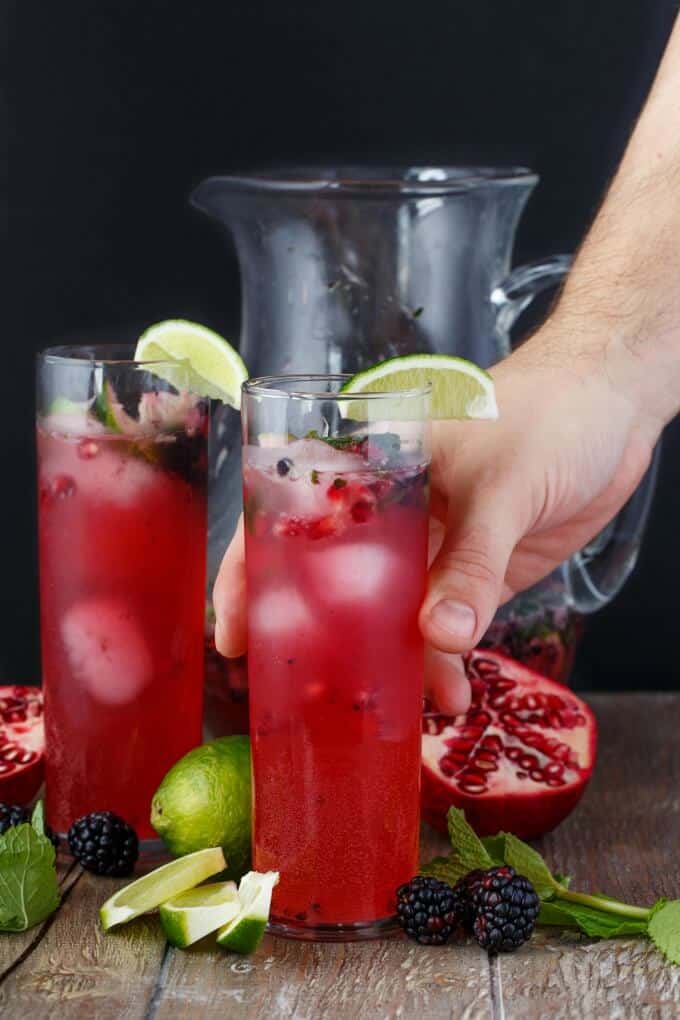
[(117, 109)]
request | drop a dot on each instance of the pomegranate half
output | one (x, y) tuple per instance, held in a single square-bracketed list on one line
[(518, 760), (22, 743)]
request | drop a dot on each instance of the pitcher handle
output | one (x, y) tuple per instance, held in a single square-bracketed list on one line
[(524, 283), (595, 574)]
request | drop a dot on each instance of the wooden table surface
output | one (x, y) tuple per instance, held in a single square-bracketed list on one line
[(624, 838)]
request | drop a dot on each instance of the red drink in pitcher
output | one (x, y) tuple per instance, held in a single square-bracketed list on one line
[(336, 542), (122, 534)]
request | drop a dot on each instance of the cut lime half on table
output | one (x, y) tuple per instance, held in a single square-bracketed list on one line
[(460, 389), (194, 914), (244, 933), (207, 363), (149, 891)]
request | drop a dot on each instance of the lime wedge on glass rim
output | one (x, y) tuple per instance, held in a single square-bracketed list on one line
[(244, 933), (149, 891), (207, 363), (460, 389), (194, 914)]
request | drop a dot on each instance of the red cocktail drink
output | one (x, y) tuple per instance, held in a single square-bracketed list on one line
[(122, 500), (336, 539)]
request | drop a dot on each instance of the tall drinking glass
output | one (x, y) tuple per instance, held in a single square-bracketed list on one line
[(122, 534), (336, 511)]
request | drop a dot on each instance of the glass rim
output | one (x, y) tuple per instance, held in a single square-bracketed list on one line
[(65, 354), (379, 181), (265, 385)]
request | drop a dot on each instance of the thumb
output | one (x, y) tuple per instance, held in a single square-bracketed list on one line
[(466, 577)]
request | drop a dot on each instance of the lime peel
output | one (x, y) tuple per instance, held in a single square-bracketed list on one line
[(460, 389), (244, 933), (195, 913), (160, 885), (205, 362)]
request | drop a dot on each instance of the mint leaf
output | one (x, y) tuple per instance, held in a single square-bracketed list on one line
[(446, 869), (528, 862), (563, 880), (28, 878), (495, 847), (468, 848), (38, 818), (664, 929), (593, 922)]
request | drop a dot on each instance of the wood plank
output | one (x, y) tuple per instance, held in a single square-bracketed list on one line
[(17, 946), (310, 981), (623, 839), (75, 970)]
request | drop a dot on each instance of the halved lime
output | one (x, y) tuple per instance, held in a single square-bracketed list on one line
[(149, 891), (460, 389), (244, 933), (194, 914), (210, 366)]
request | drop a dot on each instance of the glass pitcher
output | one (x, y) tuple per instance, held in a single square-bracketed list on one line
[(341, 268)]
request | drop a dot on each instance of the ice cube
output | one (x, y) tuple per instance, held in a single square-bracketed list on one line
[(353, 572), (305, 454), (279, 611), (106, 650)]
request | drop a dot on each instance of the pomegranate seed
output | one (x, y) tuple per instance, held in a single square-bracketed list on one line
[(513, 753), (460, 744), (528, 762), (18, 715), (321, 528), (62, 487), (447, 767), (362, 510), (11, 753), (553, 770), (472, 782), (24, 758), (487, 667), (492, 743), (87, 449), (536, 775), (488, 764), (555, 782), (503, 685), (530, 702), (561, 752), (470, 732), (5, 767), (480, 719)]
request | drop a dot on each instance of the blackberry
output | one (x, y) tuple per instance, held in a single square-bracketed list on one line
[(506, 907), (426, 910), (104, 844), (14, 814), (464, 891)]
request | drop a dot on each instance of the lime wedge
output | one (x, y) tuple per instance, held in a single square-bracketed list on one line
[(244, 933), (160, 885), (460, 389), (210, 365), (194, 914)]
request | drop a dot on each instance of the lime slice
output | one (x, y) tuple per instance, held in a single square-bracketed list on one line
[(194, 914), (161, 885), (244, 933), (460, 389), (210, 365)]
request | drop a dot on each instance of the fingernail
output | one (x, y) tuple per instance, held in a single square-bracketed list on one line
[(456, 618)]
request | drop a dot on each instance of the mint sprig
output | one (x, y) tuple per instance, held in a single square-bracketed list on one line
[(29, 891), (596, 915)]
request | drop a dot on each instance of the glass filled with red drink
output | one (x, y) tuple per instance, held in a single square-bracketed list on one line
[(122, 533), (336, 523)]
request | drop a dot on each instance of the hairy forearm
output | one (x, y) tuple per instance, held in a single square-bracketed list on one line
[(621, 304)]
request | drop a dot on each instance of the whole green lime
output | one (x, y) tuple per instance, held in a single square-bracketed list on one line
[(205, 801)]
